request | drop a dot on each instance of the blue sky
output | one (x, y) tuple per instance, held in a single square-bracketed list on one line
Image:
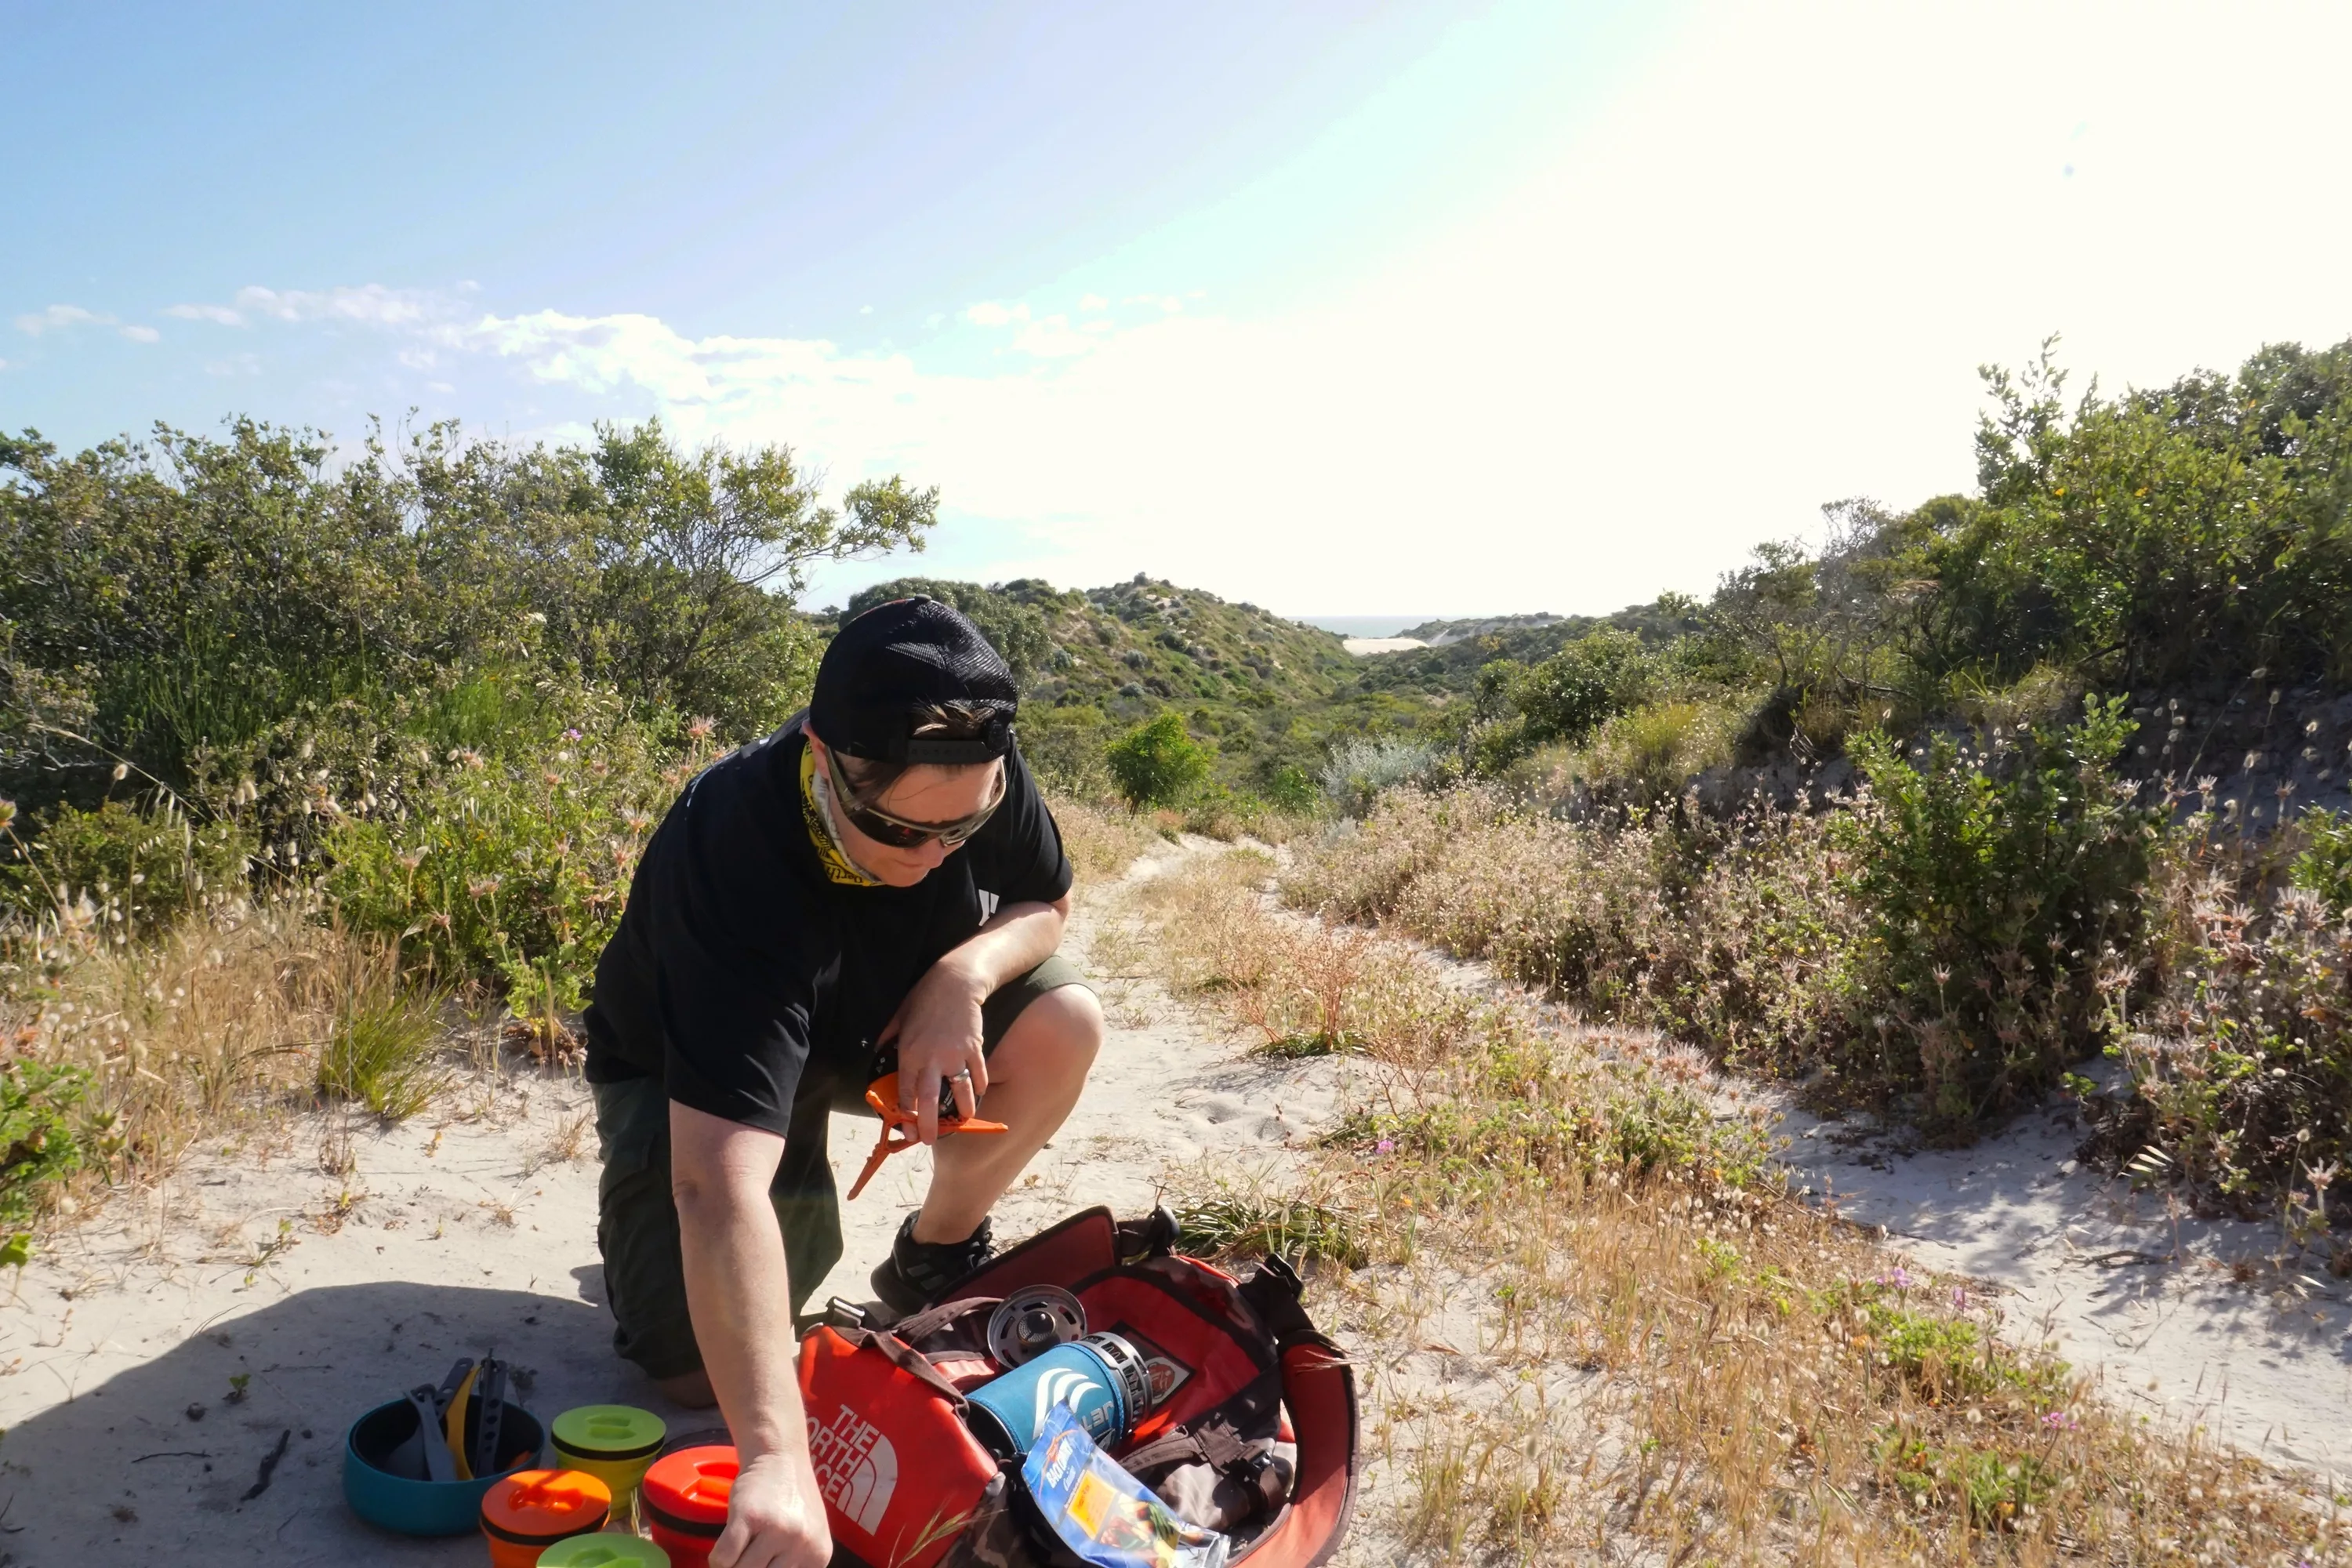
[(1417, 308)]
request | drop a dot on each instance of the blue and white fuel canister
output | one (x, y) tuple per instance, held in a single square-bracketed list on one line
[(1100, 1377)]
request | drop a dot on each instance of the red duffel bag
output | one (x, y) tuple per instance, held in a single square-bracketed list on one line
[(1251, 1428)]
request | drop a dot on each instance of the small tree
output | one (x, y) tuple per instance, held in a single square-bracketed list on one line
[(1158, 762)]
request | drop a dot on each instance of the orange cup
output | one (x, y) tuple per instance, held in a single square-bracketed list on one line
[(684, 1499), (531, 1510)]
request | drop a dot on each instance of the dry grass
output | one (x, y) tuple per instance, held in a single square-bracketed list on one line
[(1101, 840), (1301, 987), (1596, 1329), (214, 1026)]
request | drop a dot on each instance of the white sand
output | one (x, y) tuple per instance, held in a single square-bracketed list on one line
[(2126, 1284), (1361, 646), (460, 1231)]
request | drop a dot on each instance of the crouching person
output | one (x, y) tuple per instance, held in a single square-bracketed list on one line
[(878, 883)]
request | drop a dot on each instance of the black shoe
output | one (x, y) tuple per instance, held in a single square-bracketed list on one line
[(915, 1273)]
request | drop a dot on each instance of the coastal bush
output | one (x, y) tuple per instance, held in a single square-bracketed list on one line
[(2325, 867), (1362, 768), (1158, 762), (511, 869), (1959, 935), (188, 595), (1648, 754), (2002, 893), (41, 1135), (1064, 747), (2242, 1067), (133, 867)]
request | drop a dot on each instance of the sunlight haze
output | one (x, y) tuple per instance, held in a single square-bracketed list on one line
[(1496, 307)]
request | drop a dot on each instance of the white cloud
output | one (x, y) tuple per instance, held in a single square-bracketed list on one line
[(138, 335), (1092, 302), (58, 317), (1052, 338), (989, 313), (372, 303), (220, 315), (369, 304)]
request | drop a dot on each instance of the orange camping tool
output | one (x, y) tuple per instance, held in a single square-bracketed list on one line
[(882, 1094)]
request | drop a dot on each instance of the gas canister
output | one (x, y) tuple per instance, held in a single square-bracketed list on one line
[(1100, 1377)]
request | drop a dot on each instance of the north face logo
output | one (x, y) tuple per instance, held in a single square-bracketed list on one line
[(857, 1468)]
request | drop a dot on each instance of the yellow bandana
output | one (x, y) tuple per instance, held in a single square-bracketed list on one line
[(838, 864)]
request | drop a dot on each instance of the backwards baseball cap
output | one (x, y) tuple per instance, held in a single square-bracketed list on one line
[(898, 659)]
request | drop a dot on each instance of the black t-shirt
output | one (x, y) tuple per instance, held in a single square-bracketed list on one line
[(736, 957)]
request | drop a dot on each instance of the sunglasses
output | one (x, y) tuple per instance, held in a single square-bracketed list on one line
[(897, 831)]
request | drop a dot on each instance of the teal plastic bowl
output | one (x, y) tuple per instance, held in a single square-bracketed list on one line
[(425, 1508)]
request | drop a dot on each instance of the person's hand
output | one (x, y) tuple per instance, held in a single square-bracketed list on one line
[(938, 1031), (774, 1519)]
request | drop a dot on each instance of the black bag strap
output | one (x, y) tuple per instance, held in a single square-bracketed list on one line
[(922, 1325), (907, 1359)]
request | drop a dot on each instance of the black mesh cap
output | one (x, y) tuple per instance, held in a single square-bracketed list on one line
[(895, 661)]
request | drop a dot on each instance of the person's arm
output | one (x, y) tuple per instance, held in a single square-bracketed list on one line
[(937, 1026), (737, 1293)]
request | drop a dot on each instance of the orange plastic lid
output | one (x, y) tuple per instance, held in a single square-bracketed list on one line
[(687, 1491), (534, 1507)]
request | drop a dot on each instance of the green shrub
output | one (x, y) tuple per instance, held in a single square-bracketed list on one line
[(1762, 960), (40, 1144), (1158, 762), (380, 1050), (1230, 1224), (2242, 1087), (1360, 769), (1649, 752), (1584, 685), (1064, 747), (134, 866), (511, 870), (2003, 899), (2325, 866), (1287, 788)]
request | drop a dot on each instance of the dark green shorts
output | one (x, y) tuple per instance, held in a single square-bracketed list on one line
[(636, 1220)]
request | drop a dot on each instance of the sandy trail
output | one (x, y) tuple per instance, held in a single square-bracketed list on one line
[(2128, 1286), (470, 1227)]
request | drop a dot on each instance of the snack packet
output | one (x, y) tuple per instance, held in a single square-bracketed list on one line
[(1102, 1514)]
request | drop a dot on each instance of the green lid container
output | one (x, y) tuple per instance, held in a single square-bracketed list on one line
[(604, 1552), (614, 1443)]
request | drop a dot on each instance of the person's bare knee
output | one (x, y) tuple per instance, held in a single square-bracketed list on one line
[(1057, 1036), (689, 1389)]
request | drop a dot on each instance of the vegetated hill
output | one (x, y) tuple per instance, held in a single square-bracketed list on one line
[(1439, 633), (1450, 668), (1141, 645), (1267, 691)]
